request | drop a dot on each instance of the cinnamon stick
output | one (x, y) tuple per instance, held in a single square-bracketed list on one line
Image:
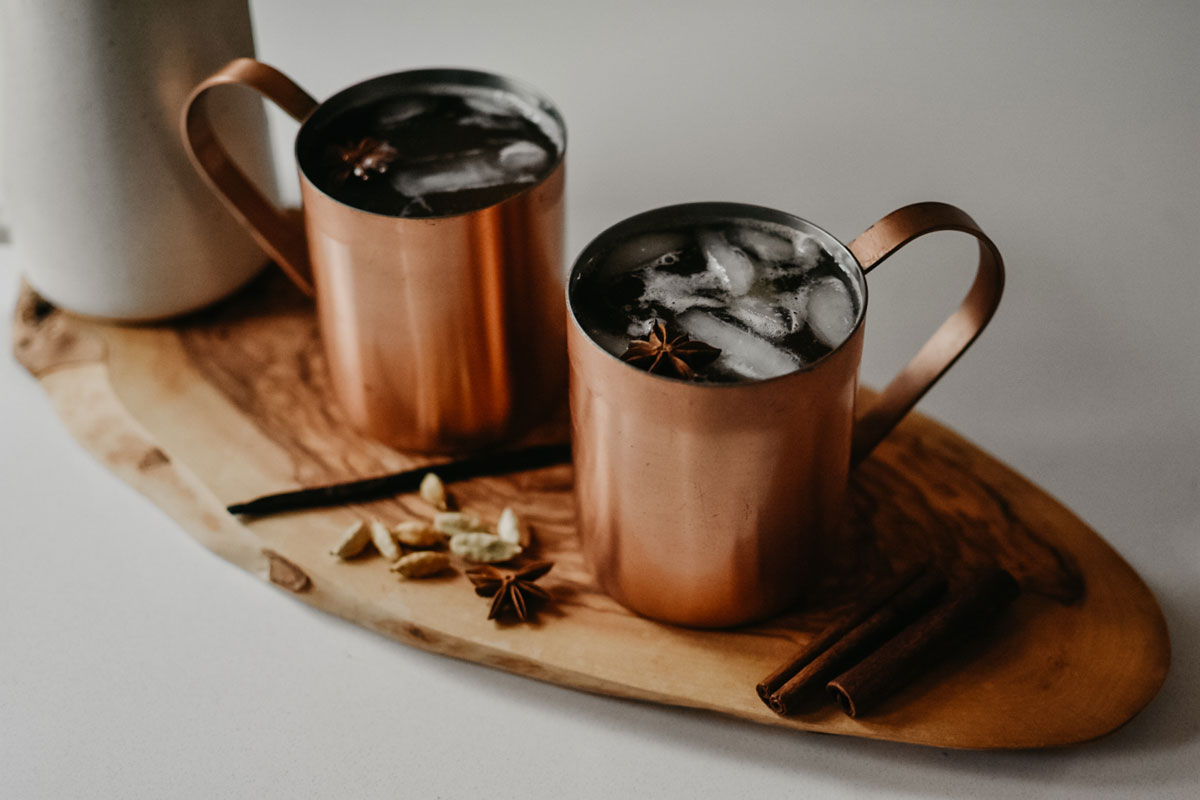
[(969, 608), (880, 595), (894, 614), (497, 463)]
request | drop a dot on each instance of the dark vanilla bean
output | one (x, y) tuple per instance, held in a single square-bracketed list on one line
[(483, 465), (971, 607), (898, 611), (876, 598)]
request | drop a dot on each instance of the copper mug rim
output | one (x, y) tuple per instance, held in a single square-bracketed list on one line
[(716, 211), (307, 138)]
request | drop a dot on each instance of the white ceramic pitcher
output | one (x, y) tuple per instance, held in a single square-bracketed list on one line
[(106, 215)]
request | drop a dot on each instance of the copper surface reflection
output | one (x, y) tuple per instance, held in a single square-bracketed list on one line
[(711, 505), (703, 505), (442, 334)]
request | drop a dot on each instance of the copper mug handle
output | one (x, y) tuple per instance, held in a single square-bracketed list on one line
[(279, 235), (950, 340)]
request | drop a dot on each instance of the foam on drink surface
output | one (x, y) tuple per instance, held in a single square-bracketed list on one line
[(456, 149), (770, 297)]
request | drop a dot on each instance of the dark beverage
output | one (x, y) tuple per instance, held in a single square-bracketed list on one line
[(770, 297), (432, 153)]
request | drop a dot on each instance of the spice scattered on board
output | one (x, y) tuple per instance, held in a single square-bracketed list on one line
[(452, 522), (967, 609), (511, 591), (418, 534), (354, 541), (284, 573), (893, 635), (510, 528), (382, 538), (483, 548), (468, 538), (433, 491), (489, 464), (421, 564)]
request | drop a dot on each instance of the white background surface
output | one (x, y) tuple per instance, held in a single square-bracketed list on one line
[(135, 663)]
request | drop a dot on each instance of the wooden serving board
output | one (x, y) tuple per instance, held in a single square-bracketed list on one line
[(233, 402)]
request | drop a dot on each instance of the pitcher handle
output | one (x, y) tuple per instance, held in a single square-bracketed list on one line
[(950, 340), (282, 238)]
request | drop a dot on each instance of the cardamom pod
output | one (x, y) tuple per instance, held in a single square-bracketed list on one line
[(383, 541), (421, 565), (452, 522), (483, 548), (433, 491), (418, 534), (354, 539), (510, 528)]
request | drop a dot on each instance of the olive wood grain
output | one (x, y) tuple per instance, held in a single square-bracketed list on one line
[(234, 402)]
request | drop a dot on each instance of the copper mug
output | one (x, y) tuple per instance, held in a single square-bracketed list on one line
[(707, 505), (441, 334)]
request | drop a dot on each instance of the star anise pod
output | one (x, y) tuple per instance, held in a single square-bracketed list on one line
[(511, 590), (362, 158), (669, 353)]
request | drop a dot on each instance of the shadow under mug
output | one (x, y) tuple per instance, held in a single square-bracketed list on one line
[(709, 505), (441, 334)]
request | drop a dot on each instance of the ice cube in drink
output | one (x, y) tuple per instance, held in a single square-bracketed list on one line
[(437, 151), (770, 297)]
